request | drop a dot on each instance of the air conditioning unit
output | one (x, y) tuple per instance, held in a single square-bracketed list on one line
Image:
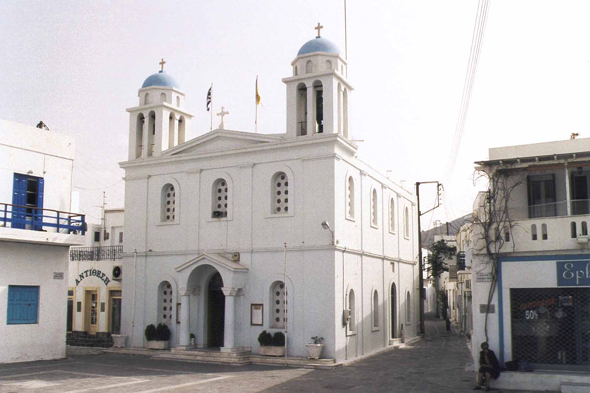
[(117, 273)]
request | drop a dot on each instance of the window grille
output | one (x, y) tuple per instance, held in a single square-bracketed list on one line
[(169, 203), (278, 305), (551, 325), (280, 194), (220, 199), (166, 303), (350, 198)]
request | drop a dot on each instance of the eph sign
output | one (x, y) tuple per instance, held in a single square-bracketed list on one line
[(573, 274)]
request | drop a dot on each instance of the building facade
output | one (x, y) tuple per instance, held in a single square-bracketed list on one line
[(36, 231), (534, 218), (233, 233), (95, 299)]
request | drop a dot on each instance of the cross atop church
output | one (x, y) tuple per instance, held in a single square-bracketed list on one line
[(318, 28), (222, 114), (162, 64)]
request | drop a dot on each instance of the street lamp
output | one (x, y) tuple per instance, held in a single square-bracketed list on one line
[(326, 225)]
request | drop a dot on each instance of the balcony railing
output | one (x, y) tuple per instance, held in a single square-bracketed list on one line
[(554, 209), (38, 219), (108, 253)]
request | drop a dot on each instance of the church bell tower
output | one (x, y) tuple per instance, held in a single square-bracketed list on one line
[(318, 92), (160, 122)]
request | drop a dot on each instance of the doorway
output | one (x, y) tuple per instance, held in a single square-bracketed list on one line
[(115, 312), (70, 314), (393, 302), (91, 312), (580, 194), (215, 312)]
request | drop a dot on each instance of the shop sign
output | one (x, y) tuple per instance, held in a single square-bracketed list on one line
[(573, 274), (93, 273), (483, 277)]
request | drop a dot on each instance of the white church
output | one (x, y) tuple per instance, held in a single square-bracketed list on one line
[(232, 233)]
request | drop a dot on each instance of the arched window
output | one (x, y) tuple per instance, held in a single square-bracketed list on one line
[(345, 112), (165, 303), (339, 108), (163, 97), (139, 146), (507, 234), (407, 223), (352, 308), (220, 199), (573, 229), (295, 71), (534, 231), (350, 198), (181, 130), (308, 67), (375, 309), (392, 215), (318, 90), (280, 193), (168, 210), (301, 109), (171, 130), (278, 302), (374, 209), (584, 228), (178, 101), (328, 65), (408, 307), (146, 99), (544, 231), (151, 133)]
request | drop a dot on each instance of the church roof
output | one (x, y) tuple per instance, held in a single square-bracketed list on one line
[(160, 79), (318, 44)]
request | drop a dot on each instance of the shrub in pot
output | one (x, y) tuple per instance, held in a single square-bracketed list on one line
[(157, 337), (271, 345), (314, 350)]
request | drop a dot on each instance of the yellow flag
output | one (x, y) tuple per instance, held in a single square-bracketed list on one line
[(257, 95)]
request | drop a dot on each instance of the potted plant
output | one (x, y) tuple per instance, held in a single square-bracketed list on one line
[(193, 340), (157, 337), (315, 350), (271, 345)]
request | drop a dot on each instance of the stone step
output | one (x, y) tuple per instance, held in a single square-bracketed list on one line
[(204, 359), (572, 387), (210, 354), (295, 362)]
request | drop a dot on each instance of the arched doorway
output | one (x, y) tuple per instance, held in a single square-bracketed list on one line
[(215, 312), (393, 302)]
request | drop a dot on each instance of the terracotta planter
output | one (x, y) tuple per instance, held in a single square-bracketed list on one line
[(314, 350), (157, 344), (272, 351)]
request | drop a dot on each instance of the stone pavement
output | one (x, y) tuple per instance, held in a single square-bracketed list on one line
[(434, 364)]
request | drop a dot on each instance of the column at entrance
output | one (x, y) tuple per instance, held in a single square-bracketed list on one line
[(185, 298), (229, 328)]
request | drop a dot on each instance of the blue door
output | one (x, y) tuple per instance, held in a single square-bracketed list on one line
[(27, 196)]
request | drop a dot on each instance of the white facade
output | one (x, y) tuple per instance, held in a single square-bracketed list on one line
[(34, 250), (240, 204), (541, 290)]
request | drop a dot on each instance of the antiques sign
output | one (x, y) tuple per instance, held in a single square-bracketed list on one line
[(573, 273), (93, 273)]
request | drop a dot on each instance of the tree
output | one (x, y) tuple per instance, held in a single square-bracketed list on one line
[(437, 254)]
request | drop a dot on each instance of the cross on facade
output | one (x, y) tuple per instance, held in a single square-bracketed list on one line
[(318, 28), (162, 64), (222, 114)]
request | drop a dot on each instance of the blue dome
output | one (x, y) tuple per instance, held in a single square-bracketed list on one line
[(318, 44), (160, 79)]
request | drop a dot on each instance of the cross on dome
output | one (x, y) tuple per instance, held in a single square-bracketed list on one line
[(318, 28), (222, 114), (162, 64)]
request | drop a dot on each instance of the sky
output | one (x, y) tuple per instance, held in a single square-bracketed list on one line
[(77, 65)]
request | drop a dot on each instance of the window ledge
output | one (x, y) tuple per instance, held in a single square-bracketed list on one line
[(164, 224), (375, 328), (374, 226), (279, 215), (350, 333), (211, 219), (392, 232), (349, 218)]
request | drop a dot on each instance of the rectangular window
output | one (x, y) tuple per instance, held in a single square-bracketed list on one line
[(23, 305), (541, 190), (120, 237), (97, 236)]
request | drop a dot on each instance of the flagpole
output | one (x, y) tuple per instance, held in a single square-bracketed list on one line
[(285, 305), (211, 126), (345, 40), (256, 104)]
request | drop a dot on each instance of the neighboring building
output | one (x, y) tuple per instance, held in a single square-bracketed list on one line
[(95, 300), (464, 296), (36, 231), (214, 225), (539, 311), (446, 282)]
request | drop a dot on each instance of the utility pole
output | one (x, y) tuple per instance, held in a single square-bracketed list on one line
[(420, 265)]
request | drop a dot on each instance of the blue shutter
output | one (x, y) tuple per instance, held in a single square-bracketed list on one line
[(39, 212), (19, 197), (23, 305)]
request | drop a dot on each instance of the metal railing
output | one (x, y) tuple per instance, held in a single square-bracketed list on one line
[(559, 209), (106, 253), (39, 219)]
